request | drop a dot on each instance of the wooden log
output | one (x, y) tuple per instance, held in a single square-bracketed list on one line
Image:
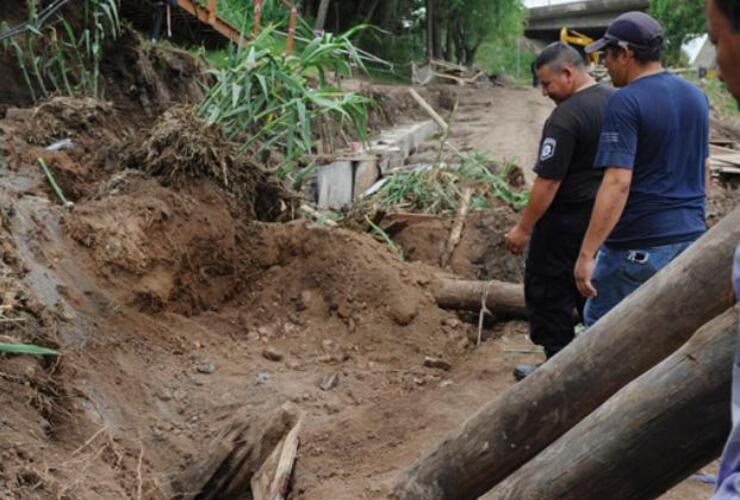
[(457, 226), (652, 434), (498, 296), (237, 454), (637, 334)]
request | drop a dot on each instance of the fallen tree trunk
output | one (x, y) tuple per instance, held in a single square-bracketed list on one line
[(641, 331), (499, 296), (652, 434)]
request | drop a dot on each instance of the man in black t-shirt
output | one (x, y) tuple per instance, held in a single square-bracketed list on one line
[(559, 209)]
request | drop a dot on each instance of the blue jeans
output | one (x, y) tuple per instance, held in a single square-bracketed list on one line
[(618, 273)]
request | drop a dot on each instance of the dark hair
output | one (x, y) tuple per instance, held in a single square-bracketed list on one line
[(558, 55), (731, 10), (643, 55)]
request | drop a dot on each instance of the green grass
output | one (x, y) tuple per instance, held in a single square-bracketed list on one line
[(27, 349)]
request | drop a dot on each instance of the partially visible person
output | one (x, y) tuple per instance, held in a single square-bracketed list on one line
[(562, 196), (723, 18), (654, 144)]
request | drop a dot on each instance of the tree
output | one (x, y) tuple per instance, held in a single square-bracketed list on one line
[(682, 21)]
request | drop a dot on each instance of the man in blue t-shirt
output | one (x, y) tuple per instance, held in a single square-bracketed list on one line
[(653, 148)]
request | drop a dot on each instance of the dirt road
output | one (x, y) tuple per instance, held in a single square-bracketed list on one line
[(506, 121)]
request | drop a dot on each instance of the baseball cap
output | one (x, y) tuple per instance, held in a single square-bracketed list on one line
[(637, 29)]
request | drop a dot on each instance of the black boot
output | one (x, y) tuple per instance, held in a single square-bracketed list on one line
[(523, 371)]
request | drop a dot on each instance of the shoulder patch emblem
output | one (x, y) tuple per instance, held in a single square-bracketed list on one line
[(548, 148)]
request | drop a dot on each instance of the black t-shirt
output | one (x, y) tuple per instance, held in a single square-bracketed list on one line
[(568, 146)]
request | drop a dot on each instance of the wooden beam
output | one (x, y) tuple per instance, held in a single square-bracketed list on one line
[(203, 15), (651, 435), (212, 11), (641, 331)]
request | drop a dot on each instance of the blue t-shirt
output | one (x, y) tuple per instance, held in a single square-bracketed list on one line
[(658, 126)]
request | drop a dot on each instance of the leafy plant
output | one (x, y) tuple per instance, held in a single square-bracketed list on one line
[(27, 349), (438, 188), (381, 235), (65, 59), (271, 101)]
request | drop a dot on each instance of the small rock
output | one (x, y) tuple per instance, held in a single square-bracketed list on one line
[(293, 365), (419, 381), (440, 364), (263, 378), (253, 336), (164, 395), (205, 366), (265, 332), (403, 310), (157, 434), (343, 310), (272, 354), (329, 382), (445, 383), (451, 322)]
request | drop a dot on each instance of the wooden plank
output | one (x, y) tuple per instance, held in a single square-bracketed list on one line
[(272, 481), (727, 158), (203, 15), (212, 11)]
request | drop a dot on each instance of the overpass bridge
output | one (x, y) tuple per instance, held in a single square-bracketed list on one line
[(589, 17)]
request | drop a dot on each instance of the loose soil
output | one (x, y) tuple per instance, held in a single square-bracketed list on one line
[(181, 297)]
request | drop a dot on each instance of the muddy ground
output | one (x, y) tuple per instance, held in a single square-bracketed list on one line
[(179, 300)]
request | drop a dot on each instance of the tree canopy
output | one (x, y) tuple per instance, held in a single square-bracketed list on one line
[(682, 21)]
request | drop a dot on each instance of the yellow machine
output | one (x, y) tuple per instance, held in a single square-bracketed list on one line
[(572, 37)]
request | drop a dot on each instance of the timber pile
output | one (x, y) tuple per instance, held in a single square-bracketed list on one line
[(636, 335), (435, 68), (725, 159), (679, 409)]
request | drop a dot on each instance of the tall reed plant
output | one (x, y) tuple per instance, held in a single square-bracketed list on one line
[(269, 100), (60, 58)]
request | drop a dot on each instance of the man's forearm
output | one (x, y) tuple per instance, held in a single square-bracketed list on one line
[(608, 208), (540, 198)]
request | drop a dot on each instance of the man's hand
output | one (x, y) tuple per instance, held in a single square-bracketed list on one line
[(583, 271), (516, 240)]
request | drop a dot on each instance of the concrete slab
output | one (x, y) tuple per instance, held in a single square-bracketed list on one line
[(334, 184)]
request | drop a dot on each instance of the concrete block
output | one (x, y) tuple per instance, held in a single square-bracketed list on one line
[(335, 182), (366, 174)]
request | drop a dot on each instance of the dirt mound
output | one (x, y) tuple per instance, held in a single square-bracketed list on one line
[(70, 118), (150, 78), (160, 247), (181, 146)]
